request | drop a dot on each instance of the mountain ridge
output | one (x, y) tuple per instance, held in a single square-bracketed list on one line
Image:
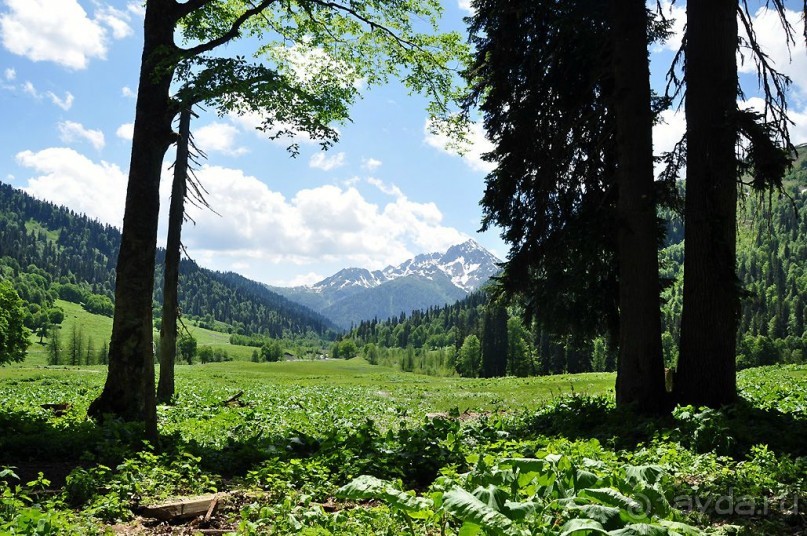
[(66, 246), (354, 294)]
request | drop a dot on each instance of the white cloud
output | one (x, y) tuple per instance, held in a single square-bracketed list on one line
[(70, 131), (116, 20), (472, 148), (789, 61), (125, 131), (127, 92), (668, 131), (370, 164), (301, 280), (52, 30), (66, 177), (315, 68), (326, 163), (10, 74), (465, 5), (389, 189), (64, 103), (28, 87), (218, 137), (136, 8), (324, 224), (678, 14), (253, 122), (258, 228)]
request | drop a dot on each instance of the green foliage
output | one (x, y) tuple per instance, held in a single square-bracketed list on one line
[(469, 359), (144, 478), (21, 511), (547, 465), (272, 351), (100, 305), (13, 334), (520, 496), (208, 354), (186, 344)]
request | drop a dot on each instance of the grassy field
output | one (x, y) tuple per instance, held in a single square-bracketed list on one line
[(419, 394), (98, 328), (291, 450)]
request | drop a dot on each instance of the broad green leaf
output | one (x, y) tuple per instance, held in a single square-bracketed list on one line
[(611, 497), (370, 487), (646, 474), (468, 508), (525, 465), (470, 529), (607, 516), (655, 498), (676, 528), (519, 510), (362, 488), (640, 529), (585, 479), (492, 496), (582, 527)]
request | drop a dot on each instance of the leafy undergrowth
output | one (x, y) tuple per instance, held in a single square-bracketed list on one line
[(337, 457)]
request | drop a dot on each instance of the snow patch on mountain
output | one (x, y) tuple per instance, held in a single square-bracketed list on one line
[(467, 265)]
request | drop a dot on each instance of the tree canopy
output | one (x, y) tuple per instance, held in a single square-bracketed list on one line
[(542, 85), (13, 334), (309, 60)]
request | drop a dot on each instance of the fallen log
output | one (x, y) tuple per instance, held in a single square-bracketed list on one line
[(183, 508), (57, 409), (234, 400)]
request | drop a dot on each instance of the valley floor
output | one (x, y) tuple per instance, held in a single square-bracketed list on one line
[(343, 447)]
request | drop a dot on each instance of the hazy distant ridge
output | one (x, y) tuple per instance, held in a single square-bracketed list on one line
[(355, 294)]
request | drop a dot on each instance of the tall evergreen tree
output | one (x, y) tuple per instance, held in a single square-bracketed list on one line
[(565, 93), (715, 128), (494, 341), (640, 374), (54, 346), (13, 333), (540, 77)]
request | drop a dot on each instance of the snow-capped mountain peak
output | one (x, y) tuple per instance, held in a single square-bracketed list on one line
[(429, 279), (467, 265)]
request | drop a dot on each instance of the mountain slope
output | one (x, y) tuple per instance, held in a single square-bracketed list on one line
[(69, 247), (355, 294)]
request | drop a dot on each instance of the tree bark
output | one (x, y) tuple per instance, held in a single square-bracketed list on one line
[(129, 389), (706, 367), (640, 374), (176, 213)]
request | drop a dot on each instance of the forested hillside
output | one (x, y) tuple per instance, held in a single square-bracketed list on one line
[(70, 253), (771, 266)]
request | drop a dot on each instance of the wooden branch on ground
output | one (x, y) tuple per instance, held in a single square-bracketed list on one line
[(234, 400), (183, 508)]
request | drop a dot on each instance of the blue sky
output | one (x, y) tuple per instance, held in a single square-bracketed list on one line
[(387, 191)]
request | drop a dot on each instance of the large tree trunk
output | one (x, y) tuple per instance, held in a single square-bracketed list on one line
[(129, 389), (640, 375), (176, 213), (706, 366)]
